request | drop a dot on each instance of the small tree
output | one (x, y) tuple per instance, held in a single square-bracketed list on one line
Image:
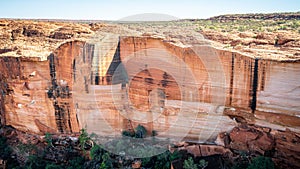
[(83, 139)]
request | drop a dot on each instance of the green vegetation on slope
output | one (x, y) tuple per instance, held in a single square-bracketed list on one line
[(248, 25), (83, 155)]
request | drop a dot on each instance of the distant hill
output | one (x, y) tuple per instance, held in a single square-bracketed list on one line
[(258, 16)]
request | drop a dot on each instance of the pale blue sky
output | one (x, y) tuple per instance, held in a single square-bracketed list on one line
[(117, 9)]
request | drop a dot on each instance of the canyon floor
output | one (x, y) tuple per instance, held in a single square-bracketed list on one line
[(59, 76)]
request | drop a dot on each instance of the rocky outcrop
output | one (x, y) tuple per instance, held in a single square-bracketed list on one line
[(281, 146), (287, 149), (252, 139), (206, 150), (25, 38)]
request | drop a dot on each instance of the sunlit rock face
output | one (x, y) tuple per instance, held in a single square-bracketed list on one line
[(25, 102), (36, 99), (144, 80)]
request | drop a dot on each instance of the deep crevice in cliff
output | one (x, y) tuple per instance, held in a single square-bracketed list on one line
[(231, 79), (74, 70), (263, 76), (114, 65), (116, 73), (62, 114), (254, 85), (3, 91)]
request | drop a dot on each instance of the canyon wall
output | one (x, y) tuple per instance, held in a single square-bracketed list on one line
[(66, 92), (37, 94), (261, 87), (25, 102)]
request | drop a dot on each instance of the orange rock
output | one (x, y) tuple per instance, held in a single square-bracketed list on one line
[(209, 150), (194, 149), (287, 149), (136, 164)]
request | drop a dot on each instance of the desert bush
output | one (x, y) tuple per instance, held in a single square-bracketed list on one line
[(97, 152), (107, 162), (261, 162), (48, 138), (140, 131), (189, 164)]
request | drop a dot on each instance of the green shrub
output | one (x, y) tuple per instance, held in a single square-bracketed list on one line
[(27, 148), (48, 138), (203, 164), (146, 162), (35, 161), (261, 162), (242, 162), (189, 164), (96, 153), (128, 133), (53, 166), (162, 161), (107, 162), (175, 155), (83, 139), (140, 131), (76, 163)]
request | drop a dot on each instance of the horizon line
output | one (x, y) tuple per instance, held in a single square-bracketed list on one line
[(120, 20)]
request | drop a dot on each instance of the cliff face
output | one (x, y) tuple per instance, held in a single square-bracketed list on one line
[(249, 87), (44, 90), (251, 84), (20, 95)]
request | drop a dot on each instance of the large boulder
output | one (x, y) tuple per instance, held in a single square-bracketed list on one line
[(251, 139)]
